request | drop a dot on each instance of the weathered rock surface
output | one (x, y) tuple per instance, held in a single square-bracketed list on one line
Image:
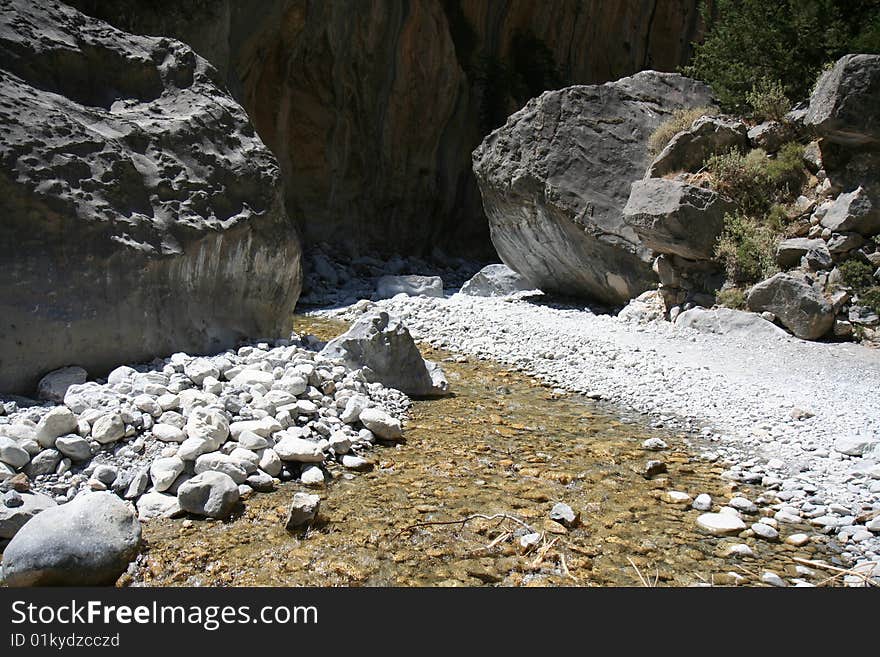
[(86, 542), (556, 177), (211, 494), (495, 281), (797, 304), (845, 105), (689, 149), (789, 252), (673, 217), (726, 321), (303, 510), (412, 286), (330, 88), (13, 518), (139, 207), (382, 346), (854, 211), (54, 385)]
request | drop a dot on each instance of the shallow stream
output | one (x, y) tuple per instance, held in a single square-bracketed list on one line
[(503, 444)]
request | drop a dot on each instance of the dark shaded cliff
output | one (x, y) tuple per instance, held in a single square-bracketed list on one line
[(374, 106)]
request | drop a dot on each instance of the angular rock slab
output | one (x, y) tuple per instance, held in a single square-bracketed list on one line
[(797, 304), (383, 348), (86, 542), (845, 105), (556, 177), (689, 149), (495, 281), (138, 204), (677, 218)]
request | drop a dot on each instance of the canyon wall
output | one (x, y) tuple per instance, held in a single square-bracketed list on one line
[(374, 106)]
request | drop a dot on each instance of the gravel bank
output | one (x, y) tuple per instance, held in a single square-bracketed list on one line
[(778, 409)]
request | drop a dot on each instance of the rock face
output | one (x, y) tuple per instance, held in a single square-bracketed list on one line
[(140, 212), (338, 91), (689, 149), (845, 105), (495, 281), (799, 306), (382, 346), (86, 542), (676, 218), (556, 177)]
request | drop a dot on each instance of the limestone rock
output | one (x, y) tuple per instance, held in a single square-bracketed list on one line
[(495, 281), (556, 177), (689, 149), (86, 542), (140, 206), (854, 211), (57, 422), (845, 105), (157, 505), (380, 423), (13, 518), (53, 386), (727, 321), (303, 510), (412, 286), (799, 306), (673, 217), (382, 346), (211, 494), (720, 524)]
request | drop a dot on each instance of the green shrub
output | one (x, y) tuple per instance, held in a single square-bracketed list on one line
[(681, 119), (871, 298), (768, 101), (732, 297), (755, 181), (747, 249), (748, 41), (859, 275)]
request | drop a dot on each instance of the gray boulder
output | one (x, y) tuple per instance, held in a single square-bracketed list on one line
[(855, 211), (211, 494), (845, 105), (143, 211), (12, 454), (689, 149), (13, 518), (411, 285), (727, 321), (770, 135), (495, 281), (383, 348), (790, 251), (54, 385), (86, 542), (303, 510), (556, 177), (798, 305), (673, 217)]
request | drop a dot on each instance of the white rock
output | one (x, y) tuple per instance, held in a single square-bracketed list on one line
[(13, 455), (312, 475), (771, 578), (655, 444), (291, 448), (57, 422), (676, 497), (340, 443), (198, 369), (168, 433), (382, 424), (164, 471), (355, 405), (148, 405), (304, 508), (217, 462), (248, 378), (157, 505), (797, 540), (703, 502), (209, 425), (855, 445), (720, 524), (354, 462), (245, 455), (739, 550), (252, 441), (270, 463), (108, 428), (120, 375), (743, 504), (765, 531)]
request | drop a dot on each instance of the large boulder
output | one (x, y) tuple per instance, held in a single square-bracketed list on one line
[(383, 348), (141, 214), (726, 321), (673, 217), (14, 516), (689, 149), (845, 105), (854, 211), (86, 542), (54, 385), (556, 177), (495, 281), (790, 251), (798, 305)]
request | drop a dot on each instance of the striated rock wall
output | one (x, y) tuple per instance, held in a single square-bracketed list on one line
[(374, 106), (139, 212)]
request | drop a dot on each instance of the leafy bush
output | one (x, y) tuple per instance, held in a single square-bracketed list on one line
[(681, 119), (747, 248), (732, 297), (859, 275), (755, 181), (748, 41), (768, 101)]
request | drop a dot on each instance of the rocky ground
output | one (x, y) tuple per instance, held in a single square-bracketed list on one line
[(794, 416)]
